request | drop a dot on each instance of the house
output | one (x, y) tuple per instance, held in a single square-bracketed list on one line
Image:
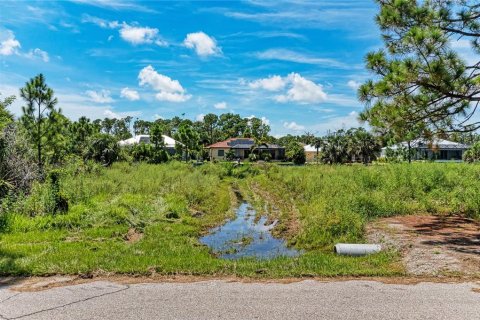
[(311, 152), (169, 142), (242, 148), (436, 149)]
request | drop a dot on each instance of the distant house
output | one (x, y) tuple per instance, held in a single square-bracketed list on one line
[(311, 152), (437, 149), (242, 148), (169, 142)]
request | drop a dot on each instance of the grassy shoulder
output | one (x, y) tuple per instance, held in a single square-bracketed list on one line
[(170, 205)]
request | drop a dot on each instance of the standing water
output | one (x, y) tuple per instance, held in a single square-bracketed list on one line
[(245, 237)]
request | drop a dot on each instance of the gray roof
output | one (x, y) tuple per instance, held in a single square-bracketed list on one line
[(430, 144)]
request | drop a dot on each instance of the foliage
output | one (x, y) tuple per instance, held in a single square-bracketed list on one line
[(18, 169), (355, 144), (189, 139), (230, 155), (103, 148), (295, 153), (173, 204), (423, 85), (335, 202), (5, 116), (472, 154), (40, 118)]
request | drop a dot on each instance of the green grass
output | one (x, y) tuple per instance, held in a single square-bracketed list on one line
[(336, 202), (174, 204)]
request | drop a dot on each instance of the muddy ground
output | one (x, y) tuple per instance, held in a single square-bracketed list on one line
[(431, 245)]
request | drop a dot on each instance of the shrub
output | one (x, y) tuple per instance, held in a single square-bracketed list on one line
[(103, 148), (472, 154)]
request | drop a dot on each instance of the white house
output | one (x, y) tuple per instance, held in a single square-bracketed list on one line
[(169, 142), (436, 149)]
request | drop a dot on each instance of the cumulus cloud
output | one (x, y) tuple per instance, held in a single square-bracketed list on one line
[(353, 84), (129, 94), (102, 96), (38, 53), (8, 44), (220, 105), (140, 35), (265, 121), (167, 88), (272, 83), (200, 117), (302, 91), (203, 44), (132, 34), (299, 89), (293, 126)]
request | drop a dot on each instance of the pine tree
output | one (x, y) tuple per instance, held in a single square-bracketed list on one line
[(39, 115), (422, 83)]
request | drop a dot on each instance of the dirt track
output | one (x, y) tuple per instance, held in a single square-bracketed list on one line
[(432, 245)]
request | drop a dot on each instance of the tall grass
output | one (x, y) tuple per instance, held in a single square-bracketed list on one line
[(335, 202), (173, 204)]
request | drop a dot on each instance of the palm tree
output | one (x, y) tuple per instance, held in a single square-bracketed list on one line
[(318, 142)]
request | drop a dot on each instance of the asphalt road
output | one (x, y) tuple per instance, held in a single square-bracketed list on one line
[(233, 300)]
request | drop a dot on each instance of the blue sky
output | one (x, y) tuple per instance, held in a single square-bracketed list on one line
[(296, 64)]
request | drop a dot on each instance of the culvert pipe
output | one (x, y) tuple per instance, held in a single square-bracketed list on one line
[(353, 249)]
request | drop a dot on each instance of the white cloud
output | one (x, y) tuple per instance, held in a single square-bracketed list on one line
[(133, 34), (338, 122), (116, 5), (38, 53), (203, 44), (200, 117), (73, 105), (100, 22), (220, 105), (293, 126), (265, 120), (102, 96), (354, 84), (297, 57), (167, 88), (272, 83), (140, 35), (300, 90), (8, 44), (129, 94)]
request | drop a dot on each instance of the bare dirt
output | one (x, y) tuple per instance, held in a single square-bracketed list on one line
[(431, 245), (133, 235)]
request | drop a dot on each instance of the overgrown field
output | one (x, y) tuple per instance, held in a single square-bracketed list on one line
[(144, 219), (335, 202)]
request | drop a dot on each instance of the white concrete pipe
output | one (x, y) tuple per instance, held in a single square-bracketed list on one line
[(351, 249)]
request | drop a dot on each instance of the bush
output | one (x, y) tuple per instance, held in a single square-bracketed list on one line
[(472, 154), (103, 148), (295, 153)]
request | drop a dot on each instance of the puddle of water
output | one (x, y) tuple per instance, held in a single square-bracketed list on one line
[(245, 237)]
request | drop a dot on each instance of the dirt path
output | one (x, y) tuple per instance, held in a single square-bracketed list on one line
[(431, 245), (278, 208)]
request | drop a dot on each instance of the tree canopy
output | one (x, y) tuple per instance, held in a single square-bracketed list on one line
[(422, 84)]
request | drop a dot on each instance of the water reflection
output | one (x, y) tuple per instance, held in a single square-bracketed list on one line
[(245, 237)]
